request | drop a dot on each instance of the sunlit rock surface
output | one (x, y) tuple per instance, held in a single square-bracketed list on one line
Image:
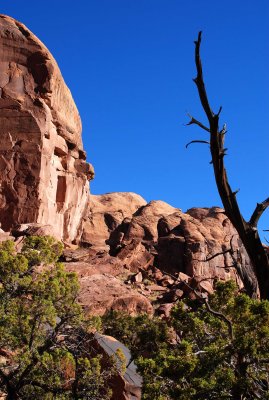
[(128, 386), (43, 172)]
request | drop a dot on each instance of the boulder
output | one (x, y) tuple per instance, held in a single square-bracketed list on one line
[(105, 213), (100, 293), (126, 386)]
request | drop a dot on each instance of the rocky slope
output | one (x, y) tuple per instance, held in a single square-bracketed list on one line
[(137, 257)]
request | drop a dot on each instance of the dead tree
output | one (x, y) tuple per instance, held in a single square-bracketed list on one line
[(247, 230)]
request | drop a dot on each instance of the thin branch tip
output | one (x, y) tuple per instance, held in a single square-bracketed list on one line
[(197, 141), (236, 191), (257, 213), (220, 109)]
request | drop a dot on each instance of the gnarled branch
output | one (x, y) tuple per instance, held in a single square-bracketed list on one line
[(259, 210), (221, 316)]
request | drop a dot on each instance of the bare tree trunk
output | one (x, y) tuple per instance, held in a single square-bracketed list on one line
[(247, 231)]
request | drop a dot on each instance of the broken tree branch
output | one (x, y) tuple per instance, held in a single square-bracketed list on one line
[(221, 316), (259, 210), (196, 122)]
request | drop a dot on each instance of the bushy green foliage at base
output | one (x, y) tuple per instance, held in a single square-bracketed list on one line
[(214, 351), (47, 349)]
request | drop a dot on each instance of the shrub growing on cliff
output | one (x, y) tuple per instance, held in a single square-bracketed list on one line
[(218, 350), (45, 351)]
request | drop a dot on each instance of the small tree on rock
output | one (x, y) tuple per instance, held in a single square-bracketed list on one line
[(46, 349)]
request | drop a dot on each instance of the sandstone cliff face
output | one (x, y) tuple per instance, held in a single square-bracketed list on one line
[(43, 172)]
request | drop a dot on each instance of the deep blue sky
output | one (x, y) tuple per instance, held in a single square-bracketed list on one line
[(129, 65)]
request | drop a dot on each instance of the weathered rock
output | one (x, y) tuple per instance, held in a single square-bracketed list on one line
[(127, 386), (5, 236), (138, 278), (43, 173), (135, 256), (105, 213), (102, 292), (206, 286), (87, 262), (209, 232), (179, 242), (170, 249), (167, 281), (33, 229), (143, 225), (179, 293)]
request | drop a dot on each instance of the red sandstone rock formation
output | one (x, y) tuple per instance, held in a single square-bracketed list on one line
[(44, 189), (43, 172), (105, 212), (153, 250)]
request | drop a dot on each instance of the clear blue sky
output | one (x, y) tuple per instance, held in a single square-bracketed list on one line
[(129, 65)]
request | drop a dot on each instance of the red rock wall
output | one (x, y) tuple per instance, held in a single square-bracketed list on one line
[(43, 172)]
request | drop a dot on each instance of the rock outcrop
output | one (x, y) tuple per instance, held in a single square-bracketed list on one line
[(43, 172), (105, 212), (133, 253), (137, 253), (44, 189)]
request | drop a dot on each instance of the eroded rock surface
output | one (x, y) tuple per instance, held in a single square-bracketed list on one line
[(152, 250), (43, 172), (105, 212)]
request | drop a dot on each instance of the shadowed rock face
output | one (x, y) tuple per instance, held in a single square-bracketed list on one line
[(43, 172)]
